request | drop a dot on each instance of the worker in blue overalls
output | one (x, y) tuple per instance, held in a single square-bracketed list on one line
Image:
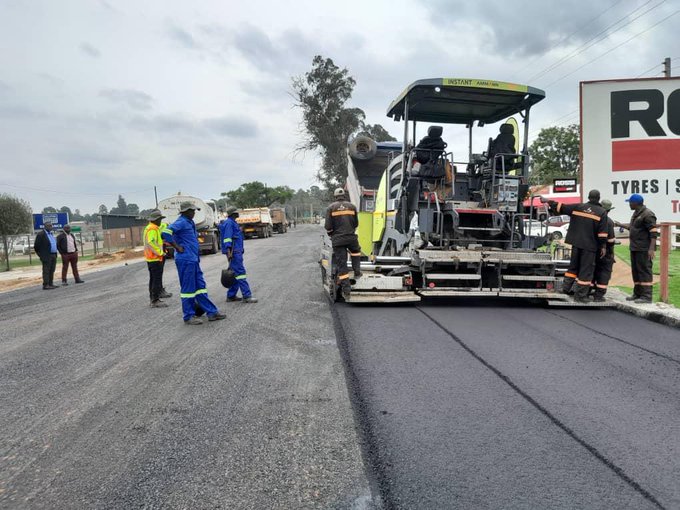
[(232, 247), (181, 235)]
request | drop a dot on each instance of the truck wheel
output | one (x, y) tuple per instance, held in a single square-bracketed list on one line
[(214, 246)]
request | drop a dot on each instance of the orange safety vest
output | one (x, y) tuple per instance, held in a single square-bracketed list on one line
[(153, 243)]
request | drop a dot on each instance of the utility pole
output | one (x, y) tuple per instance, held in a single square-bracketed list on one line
[(155, 194), (667, 67)]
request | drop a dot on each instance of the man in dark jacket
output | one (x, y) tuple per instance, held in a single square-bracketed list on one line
[(45, 247), (643, 234), (605, 265), (68, 248), (341, 222), (587, 236)]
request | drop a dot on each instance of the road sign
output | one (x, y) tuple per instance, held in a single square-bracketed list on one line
[(58, 220), (76, 229), (564, 185), (630, 143)]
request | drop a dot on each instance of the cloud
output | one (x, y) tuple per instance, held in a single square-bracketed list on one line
[(135, 99), (90, 155), (233, 127), (89, 50), (529, 28), (182, 37)]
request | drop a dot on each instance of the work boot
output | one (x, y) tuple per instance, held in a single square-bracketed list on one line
[(233, 299), (645, 295), (250, 300), (48, 287), (581, 294), (80, 281), (64, 283), (158, 304), (357, 274), (346, 291), (637, 292), (165, 294), (216, 317), (599, 299), (194, 321)]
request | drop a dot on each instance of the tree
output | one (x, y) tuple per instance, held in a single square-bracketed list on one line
[(15, 219), (133, 209), (377, 132), (555, 154), (103, 209), (49, 210), (257, 194), (77, 216), (321, 94), (121, 206)]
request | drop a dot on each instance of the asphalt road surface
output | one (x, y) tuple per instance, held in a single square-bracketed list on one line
[(106, 403), (292, 403), (496, 405)]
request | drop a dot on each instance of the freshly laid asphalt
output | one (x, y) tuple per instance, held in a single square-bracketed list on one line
[(499, 405), (292, 403)]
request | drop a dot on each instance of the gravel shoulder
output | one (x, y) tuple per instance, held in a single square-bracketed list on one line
[(109, 404)]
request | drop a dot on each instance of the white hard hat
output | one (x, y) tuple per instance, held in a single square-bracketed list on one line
[(339, 192)]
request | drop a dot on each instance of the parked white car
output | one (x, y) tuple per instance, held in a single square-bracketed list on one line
[(536, 228)]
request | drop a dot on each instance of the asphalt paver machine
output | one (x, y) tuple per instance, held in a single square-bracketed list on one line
[(435, 224)]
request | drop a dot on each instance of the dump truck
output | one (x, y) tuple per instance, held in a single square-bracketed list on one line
[(256, 221), (205, 220), (437, 224), (279, 220)]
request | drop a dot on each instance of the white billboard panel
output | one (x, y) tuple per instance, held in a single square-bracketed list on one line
[(630, 142)]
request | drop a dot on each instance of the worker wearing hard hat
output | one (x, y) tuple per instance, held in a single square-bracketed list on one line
[(604, 265), (181, 235), (232, 247), (154, 256), (341, 223)]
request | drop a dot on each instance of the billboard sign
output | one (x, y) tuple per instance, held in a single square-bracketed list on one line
[(58, 220), (630, 143), (564, 186)]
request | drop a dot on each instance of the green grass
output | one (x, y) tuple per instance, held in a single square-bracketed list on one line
[(15, 263), (623, 253)]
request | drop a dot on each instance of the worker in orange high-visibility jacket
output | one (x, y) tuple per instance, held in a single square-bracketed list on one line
[(341, 224), (154, 256), (587, 235)]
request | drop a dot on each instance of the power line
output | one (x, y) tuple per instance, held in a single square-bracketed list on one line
[(597, 39), (614, 48), (564, 39)]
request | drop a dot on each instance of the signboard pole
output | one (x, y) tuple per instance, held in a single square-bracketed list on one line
[(663, 261)]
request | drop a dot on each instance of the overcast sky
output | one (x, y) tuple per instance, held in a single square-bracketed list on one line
[(103, 97)]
